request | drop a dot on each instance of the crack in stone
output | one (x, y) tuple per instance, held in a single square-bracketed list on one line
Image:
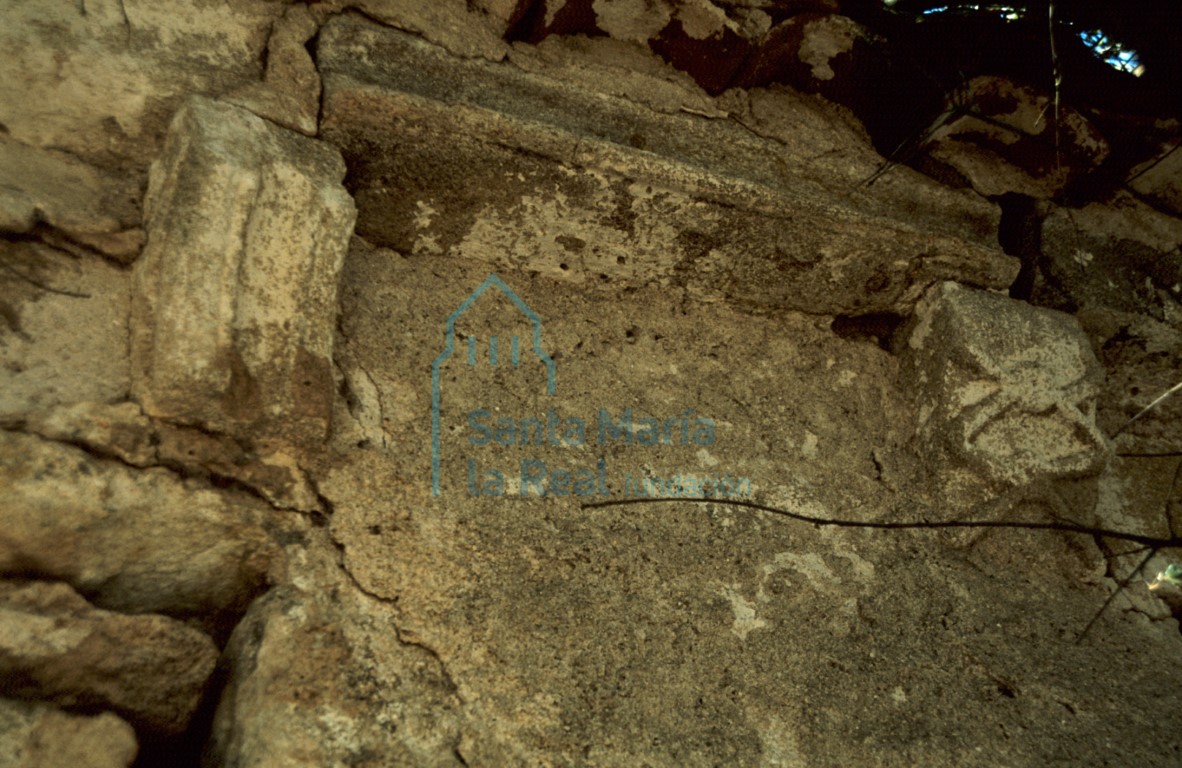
[(126, 22), (215, 480), (353, 401), (398, 631), (381, 404)]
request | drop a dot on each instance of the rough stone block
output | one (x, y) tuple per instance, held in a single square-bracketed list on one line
[(46, 187), (1142, 359), (101, 79), (522, 171), (234, 299), (63, 329), (1161, 180), (1010, 142), (134, 540), (122, 431), (658, 622), (290, 92), (1121, 254), (36, 735), (1006, 393), (466, 28), (55, 646), (312, 684)]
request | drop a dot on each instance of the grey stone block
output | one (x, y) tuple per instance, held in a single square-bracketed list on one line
[(1006, 393)]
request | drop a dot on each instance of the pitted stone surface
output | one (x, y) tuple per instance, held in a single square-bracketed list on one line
[(694, 635), (522, 171), (694, 241), (1006, 392), (235, 294)]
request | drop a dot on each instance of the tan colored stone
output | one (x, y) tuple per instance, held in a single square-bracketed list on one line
[(320, 676), (151, 670), (466, 29), (63, 329), (122, 431), (637, 21), (108, 75), (34, 735), (50, 187), (235, 294), (825, 38), (290, 92), (1006, 394), (133, 540), (271, 470), (683, 634)]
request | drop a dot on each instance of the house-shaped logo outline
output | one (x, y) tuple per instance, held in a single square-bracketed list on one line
[(536, 323)]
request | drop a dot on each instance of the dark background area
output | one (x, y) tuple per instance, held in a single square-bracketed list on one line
[(956, 44)]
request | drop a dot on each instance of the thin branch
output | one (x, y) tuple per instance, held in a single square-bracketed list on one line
[(1148, 541), (1151, 543), (1149, 407), (1055, 73), (911, 147), (1155, 162), (1121, 588)]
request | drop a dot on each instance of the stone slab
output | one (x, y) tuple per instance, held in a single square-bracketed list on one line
[(63, 329), (692, 634), (108, 75), (36, 735), (44, 187), (128, 539), (517, 170), (1006, 394)]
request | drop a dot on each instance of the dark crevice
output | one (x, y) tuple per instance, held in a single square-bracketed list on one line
[(177, 467), (1020, 234), (527, 16), (186, 750), (93, 451), (41, 235), (320, 517), (312, 46), (529, 25), (876, 327), (265, 53)]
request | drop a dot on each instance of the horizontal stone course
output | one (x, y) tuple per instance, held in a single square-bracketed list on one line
[(515, 169)]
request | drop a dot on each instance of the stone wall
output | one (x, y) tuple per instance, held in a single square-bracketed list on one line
[(322, 322)]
